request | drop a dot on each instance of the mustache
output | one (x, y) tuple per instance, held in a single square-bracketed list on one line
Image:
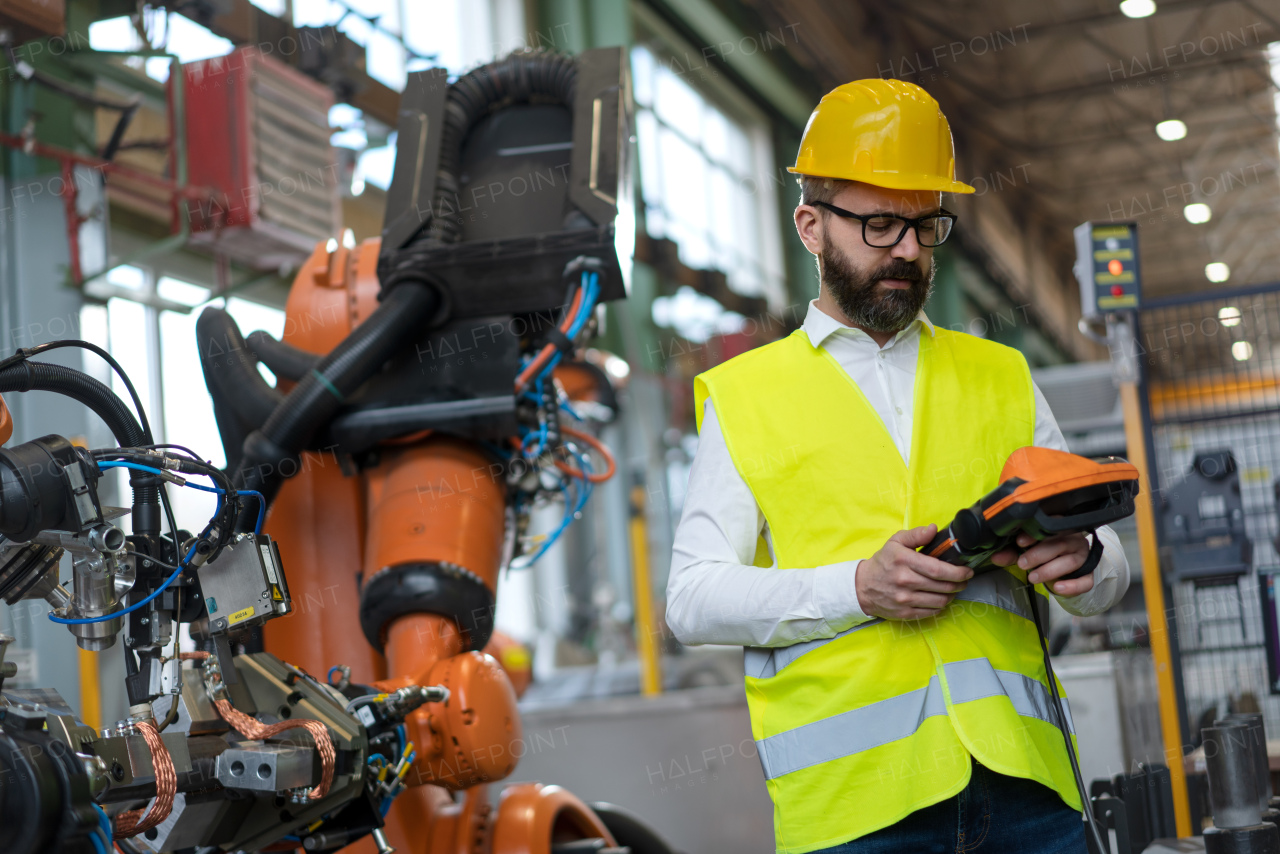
[(897, 268)]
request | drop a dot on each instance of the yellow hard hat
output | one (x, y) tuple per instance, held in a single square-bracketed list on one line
[(888, 133)]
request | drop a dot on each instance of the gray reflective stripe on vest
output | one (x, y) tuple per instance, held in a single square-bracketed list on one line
[(1001, 590), (976, 679), (899, 717), (850, 732), (997, 588), (762, 662)]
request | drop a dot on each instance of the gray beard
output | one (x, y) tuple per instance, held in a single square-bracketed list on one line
[(854, 291)]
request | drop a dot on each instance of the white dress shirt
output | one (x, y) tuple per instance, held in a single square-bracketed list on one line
[(714, 593)]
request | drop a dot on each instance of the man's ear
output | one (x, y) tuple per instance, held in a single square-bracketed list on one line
[(809, 225)]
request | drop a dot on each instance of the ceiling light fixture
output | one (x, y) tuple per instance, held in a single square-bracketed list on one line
[(1197, 213), (1138, 8), (1217, 272), (1171, 130)]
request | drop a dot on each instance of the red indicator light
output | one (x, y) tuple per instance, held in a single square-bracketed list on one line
[(1116, 290), (1114, 267)]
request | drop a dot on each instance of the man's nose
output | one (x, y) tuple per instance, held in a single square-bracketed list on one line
[(908, 248)]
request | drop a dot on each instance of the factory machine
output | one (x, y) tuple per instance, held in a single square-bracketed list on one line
[(432, 389)]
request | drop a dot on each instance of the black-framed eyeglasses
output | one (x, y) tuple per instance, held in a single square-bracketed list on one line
[(884, 230)]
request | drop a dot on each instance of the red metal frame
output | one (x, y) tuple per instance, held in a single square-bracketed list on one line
[(68, 160)]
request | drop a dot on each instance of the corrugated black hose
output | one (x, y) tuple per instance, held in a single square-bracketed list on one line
[(270, 454), (283, 359), (42, 376), (242, 399), (517, 78)]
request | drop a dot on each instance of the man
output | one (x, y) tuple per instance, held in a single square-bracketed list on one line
[(899, 703)]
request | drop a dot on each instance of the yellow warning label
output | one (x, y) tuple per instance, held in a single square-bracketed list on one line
[(1108, 254), (1123, 301), (1102, 232), (240, 616), (1107, 279), (276, 595)]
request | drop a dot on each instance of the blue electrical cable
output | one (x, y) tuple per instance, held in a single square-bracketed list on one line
[(104, 825), (591, 288), (125, 464), (583, 494), (582, 487), (182, 564), (136, 605), (104, 822), (385, 806), (262, 501)]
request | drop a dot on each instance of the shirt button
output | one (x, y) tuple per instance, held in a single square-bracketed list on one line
[(898, 409)]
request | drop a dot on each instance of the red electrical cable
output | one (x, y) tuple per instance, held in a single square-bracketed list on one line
[(132, 822), (601, 449), (546, 352)]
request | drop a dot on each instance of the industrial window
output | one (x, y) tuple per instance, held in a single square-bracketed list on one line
[(158, 349), (706, 176), (1273, 59)]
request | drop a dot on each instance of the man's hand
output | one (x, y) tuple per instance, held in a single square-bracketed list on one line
[(900, 583), (1050, 559)]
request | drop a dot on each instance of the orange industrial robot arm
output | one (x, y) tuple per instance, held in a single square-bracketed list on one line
[(428, 527), (417, 419)]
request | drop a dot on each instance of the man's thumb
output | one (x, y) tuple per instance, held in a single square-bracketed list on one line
[(916, 537)]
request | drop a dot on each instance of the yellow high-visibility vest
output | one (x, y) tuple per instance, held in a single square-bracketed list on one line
[(857, 731)]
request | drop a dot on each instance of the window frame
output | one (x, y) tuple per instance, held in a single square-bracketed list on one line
[(669, 48)]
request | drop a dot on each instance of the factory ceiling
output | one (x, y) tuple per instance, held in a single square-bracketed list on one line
[(1055, 103)]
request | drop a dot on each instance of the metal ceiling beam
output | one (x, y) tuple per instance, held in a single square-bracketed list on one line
[(1253, 7), (1131, 180), (1141, 131), (915, 14), (245, 24), (1100, 86), (1165, 8)]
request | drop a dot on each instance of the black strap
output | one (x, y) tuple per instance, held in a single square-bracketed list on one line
[(560, 340), (1090, 562), (28, 376)]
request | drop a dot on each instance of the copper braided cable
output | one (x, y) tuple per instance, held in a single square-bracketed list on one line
[(252, 728), (131, 823)]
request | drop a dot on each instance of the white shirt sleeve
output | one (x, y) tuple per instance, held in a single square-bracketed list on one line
[(714, 593), (1111, 576)]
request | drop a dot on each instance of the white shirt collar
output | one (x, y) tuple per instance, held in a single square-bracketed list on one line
[(819, 326)]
